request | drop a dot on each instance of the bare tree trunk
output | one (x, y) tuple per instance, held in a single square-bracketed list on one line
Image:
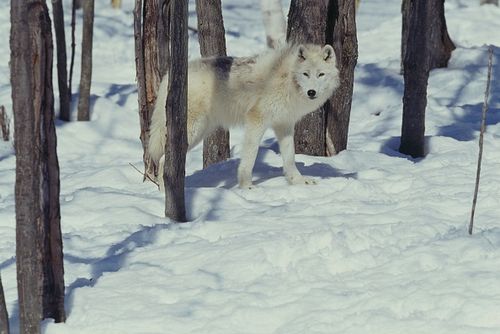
[(211, 36), (4, 124), (176, 114), (416, 65), (274, 22), (440, 44), (4, 316), (78, 4), (151, 31), (62, 73), (73, 46), (116, 3), (28, 256), (341, 33), (38, 238), (86, 71), (307, 24)]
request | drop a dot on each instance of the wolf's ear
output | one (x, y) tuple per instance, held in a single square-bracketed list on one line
[(328, 53), (301, 50)]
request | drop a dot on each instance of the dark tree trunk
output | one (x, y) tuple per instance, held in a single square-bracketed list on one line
[(176, 114), (4, 316), (341, 33), (151, 31), (324, 132), (416, 65), (38, 235), (62, 73), (73, 46), (28, 256), (211, 36), (307, 24), (440, 45), (86, 70), (4, 124)]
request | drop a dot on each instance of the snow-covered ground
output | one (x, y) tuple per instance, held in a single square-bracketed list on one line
[(380, 245)]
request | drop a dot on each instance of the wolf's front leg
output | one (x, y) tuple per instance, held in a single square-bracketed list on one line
[(284, 133), (254, 130)]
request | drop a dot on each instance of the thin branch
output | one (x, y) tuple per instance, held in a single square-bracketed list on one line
[(145, 175), (481, 135)]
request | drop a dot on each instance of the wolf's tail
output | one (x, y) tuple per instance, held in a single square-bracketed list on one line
[(157, 130)]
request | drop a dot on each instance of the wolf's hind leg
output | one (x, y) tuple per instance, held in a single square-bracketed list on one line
[(254, 130), (284, 133)]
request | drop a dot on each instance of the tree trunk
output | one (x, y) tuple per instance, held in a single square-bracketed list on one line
[(176, 114), (62, 73), (307, 24), (4, 124), (341, 33), (73, 46), (4, 316), (38, 236), (86, 70), (274, 22), (439, 43), (211, 36), (151, 31), (416, 65), (324, 132)]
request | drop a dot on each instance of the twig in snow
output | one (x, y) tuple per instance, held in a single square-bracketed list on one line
[(145, 175), (481, 135)]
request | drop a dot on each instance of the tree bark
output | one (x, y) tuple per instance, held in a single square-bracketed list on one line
[(73, 46), (86, 70), (211, 36), (176, 114), (62, 73), (4, 124), (416, 66), (324, 132), (38, 236), (307, 24), (440, 45), (341, 33), (274, 22), (4, 316), (151, 31)]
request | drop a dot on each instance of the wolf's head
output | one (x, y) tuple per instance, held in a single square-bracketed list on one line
[(316, 72)]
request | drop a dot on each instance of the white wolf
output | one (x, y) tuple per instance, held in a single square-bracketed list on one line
[(274, 90)]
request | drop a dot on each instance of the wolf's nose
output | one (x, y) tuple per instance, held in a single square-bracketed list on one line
[(311, 93)]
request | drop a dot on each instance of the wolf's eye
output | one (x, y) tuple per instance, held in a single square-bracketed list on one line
[(321, 74), (306, 74)]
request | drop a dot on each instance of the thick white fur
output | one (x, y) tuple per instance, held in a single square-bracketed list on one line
[(269, 90)]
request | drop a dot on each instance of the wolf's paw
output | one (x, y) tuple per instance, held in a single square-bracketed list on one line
[(299, 179), (246, 185)]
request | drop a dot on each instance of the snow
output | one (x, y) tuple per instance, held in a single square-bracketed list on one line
[(379, 245)]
